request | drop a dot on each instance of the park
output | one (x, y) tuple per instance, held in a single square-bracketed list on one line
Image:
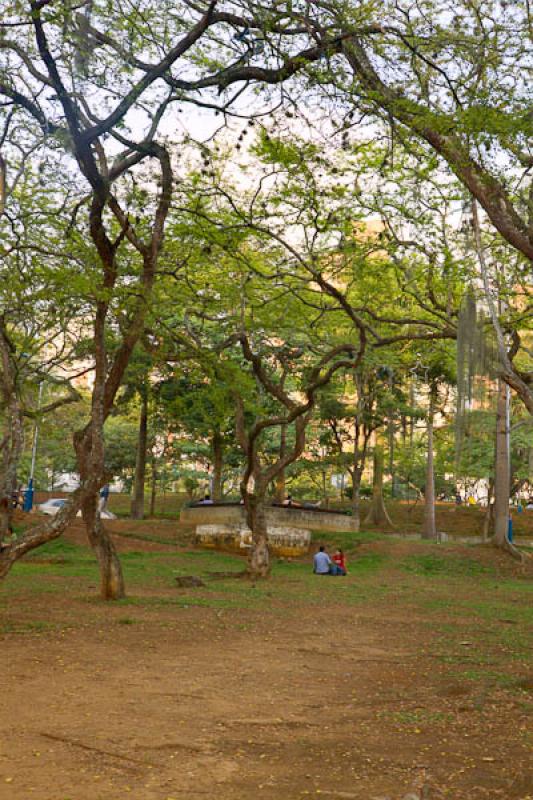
[(266, 398)]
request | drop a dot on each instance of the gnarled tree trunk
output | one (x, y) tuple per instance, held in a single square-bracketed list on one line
[(90, 455), (259, 559), (111, 577)]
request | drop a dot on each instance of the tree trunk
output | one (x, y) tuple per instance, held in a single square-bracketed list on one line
[(429, 530), (403, 423), (390, 438), (412, 399), (13, 439), (90, 460), (488, 519), (153, 486), (281, 489), (377, 513), (259, 559), (325, 496), (137, 501), (502, 473), (6, 527), (90, 456), (218, 460), (6, 559), (502, 478), (357, 474), (111, 577), (360, 445), (8, 480)]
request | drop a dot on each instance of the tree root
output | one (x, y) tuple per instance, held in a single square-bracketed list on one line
[(512, 550), (215, 576), (93, 749)]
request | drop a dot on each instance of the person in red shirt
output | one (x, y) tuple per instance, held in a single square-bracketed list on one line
[(339, 560)]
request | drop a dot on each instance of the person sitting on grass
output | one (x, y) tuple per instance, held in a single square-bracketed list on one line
[(339, 561), (322, 562)]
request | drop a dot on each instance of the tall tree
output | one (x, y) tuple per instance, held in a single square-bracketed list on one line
[(257, 474)]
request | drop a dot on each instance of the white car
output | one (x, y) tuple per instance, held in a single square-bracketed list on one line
[(53, 505)]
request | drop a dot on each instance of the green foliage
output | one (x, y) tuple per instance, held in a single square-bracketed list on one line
[(120, 447)]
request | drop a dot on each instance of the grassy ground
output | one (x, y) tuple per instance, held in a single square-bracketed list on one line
[(416, 670)]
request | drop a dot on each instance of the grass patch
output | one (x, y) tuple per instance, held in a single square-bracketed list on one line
[(433, 564), (149, 537), (517, 611), (418, 716), (35, 626), (494, 678), (347, 540)]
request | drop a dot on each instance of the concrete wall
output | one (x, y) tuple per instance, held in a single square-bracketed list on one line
[(283, 517), (283, 541)]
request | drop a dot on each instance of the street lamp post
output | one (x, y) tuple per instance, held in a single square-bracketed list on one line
[(28, 497)]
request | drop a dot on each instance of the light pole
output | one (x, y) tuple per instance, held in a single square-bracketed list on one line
[(28, 497)]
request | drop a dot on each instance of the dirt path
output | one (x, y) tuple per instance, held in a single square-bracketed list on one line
[(339, 700)]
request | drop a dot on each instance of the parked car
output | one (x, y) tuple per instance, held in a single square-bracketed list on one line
[(51, 506), (54, 504)]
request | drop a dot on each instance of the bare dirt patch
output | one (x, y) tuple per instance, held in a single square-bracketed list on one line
[(395, 679)]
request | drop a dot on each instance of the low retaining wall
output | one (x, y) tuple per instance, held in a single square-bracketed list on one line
[(289, 528), (283, 541), (233, 514)]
